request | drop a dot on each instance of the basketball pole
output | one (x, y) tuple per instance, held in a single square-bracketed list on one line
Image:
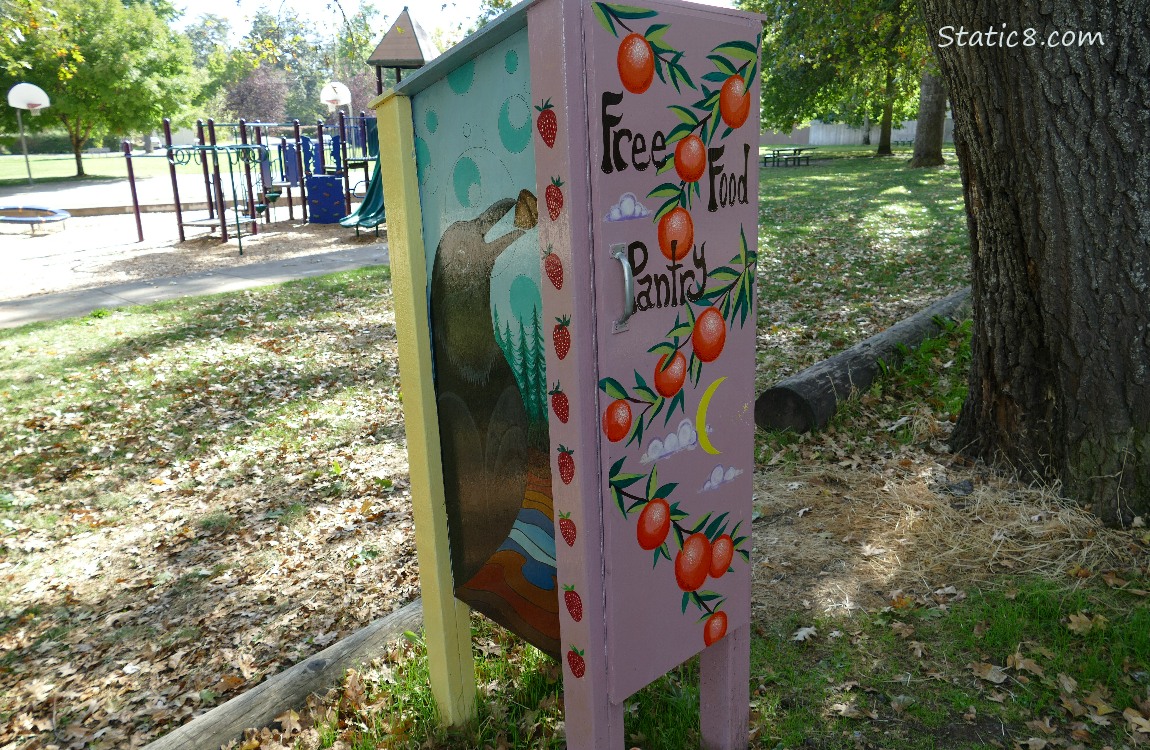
[(24, 145)]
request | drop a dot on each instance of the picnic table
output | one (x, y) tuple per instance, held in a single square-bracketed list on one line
[(787, 155)]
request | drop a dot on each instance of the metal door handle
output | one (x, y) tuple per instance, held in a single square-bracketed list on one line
[(619, 253)]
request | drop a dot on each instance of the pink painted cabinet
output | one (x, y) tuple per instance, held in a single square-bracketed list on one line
[(578, 234), (646, 163)]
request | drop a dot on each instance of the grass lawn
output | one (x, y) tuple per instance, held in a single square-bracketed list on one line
[(62, 168), (196, 494)]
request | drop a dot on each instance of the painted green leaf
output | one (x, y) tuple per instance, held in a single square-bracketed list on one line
[(738, 49), (612, 388), (726, 69)]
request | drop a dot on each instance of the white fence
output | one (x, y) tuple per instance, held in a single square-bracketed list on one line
[(837, 134)]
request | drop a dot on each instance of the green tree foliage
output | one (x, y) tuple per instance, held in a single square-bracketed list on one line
[(21, 19), (127, 70), (489, 10), (856, 61)]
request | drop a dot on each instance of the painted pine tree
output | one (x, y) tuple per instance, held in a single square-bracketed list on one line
[(538, 356), (523, 369)]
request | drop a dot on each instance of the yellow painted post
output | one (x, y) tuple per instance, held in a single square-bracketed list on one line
[(446, 622)]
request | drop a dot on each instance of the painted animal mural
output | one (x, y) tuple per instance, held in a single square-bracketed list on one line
[(497, 477)]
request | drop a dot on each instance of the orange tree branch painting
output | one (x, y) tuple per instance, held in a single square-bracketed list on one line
[(706, 333), (706, 549)]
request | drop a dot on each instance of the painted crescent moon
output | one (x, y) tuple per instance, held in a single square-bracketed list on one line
[(701, 417)]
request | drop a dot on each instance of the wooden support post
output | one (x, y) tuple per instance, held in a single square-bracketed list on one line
[(725, 691), (343, 165), (221, 212), (448, 631), (172, 170), (302, 175), (207, 174), (251, 208), (132, 184)]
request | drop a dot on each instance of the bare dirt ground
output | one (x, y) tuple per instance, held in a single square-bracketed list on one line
[(95, 251)]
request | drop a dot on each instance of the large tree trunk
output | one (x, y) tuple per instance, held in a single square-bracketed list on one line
[(1054, 147), (887, 117), (931, 122), (75, 135)]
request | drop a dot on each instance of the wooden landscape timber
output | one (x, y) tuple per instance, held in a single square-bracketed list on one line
[(259, 706), (807, 401)]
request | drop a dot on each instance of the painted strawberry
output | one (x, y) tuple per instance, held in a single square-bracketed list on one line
[(559, 403), (554, 267), (547, 124), (554, 197), (561, 336), (566, 464), (574, 603), (567, 529), (576, 662)]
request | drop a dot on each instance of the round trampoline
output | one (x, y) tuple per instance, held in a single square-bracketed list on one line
[(32, 216)]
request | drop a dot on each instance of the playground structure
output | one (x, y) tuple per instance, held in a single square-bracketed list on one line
[(264, 162)]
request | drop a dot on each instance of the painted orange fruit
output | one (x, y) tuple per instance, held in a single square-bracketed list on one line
[(715, 628), (617, 420), (654, 524), (690, 158), (636, 63), (676, 234), (709, 335), (693, 562), (722, 550), (734, 101), (668, 381)]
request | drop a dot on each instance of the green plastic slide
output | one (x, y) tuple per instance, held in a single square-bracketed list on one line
[(371, 212)]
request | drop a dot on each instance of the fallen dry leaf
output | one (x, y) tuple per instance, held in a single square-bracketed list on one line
[(902, 630), (1083, 623), (917, 648), (989, 672), (289, 722), (1112, 580), (1097, 701), (1073, 707), (1045, 726), (1137, 722), (1018, 661), (804, 634), (1066, 683)]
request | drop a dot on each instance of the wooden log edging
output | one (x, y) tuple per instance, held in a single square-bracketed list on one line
[(259, 706), (807, 401)]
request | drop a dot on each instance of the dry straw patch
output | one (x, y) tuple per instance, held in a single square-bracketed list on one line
[(838, 540)]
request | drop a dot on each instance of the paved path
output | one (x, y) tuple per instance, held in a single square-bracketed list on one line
[(69, 304)]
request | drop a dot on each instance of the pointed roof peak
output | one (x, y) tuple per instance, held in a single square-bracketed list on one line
[(405, 45)]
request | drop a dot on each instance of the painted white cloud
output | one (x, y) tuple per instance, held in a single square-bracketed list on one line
[(684, 438), (627, 208), (720, 476)]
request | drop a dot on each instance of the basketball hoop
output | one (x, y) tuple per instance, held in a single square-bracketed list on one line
[(334, 95), (32, 98)]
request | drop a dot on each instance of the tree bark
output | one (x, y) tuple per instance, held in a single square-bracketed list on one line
[(1054, 148), (931, 122), (887, 117), (77, 140)]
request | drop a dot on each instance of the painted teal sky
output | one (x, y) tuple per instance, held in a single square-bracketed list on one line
[(473, 132)]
